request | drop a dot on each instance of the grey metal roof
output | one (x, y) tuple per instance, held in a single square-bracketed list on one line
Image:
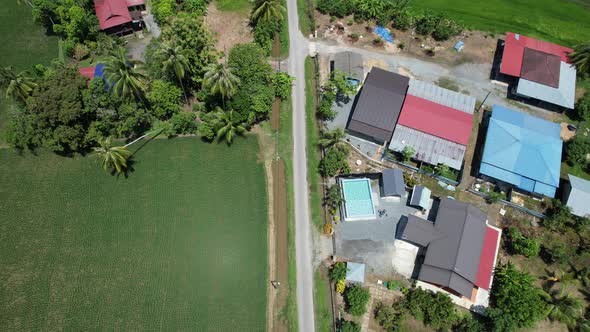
[(379, 104), (441, 96), (351, 64), (419, 231), (420, 196), (393, 182), (428, 148), (579, 197), (458, 250), (563, 96), (355, 272)]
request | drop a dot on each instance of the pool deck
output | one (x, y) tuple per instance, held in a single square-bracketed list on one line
[(372, 241)]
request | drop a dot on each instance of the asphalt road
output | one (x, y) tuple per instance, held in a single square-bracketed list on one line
[(298, 50)]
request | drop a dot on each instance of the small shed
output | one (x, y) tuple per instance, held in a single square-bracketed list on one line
[(393, 184), (420, 197), (578, 196), (355, 272)]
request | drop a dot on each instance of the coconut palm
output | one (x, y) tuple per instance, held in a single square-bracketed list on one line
[(557, 276), (18, 86), (113, 158), (175, 61), (268, 10), (564, 307), (220, 79), (226, 126), (334, 139), (580, 57), (124, 75)]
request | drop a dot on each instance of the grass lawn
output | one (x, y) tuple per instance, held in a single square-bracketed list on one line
[(178, 245), (234, 5), (24, 43), (563, 22)]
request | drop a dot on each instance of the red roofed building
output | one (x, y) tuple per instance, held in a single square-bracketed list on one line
[(119, 16), (541, 72), (487, 259), (515, 45), (436, 119), (436, 123)]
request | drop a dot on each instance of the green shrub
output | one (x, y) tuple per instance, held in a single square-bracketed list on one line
[(339, 8), (582, 109), (348, 326), (338, 271), (335, 162), (184, 123), (577, 149), (389, 317), (163, 9), (521, 245), (356, 298), (164, 98), (407, 153), (283, 84), (403, 20), (434, 309)]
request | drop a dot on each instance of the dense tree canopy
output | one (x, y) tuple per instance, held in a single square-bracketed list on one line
[(356, 298), (434, 309), (55, 115), (255, 93), (515, 301)]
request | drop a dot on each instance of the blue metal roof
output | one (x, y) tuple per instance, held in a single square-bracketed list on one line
[(523, 150)]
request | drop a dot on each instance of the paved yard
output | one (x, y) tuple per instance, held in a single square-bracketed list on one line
[(372, 241)]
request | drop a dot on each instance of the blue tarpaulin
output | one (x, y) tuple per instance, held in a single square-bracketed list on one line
[(99, 70), (383, 33), (523, 150), (459, 46)]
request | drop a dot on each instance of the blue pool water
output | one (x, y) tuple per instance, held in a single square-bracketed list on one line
[(358, 199)]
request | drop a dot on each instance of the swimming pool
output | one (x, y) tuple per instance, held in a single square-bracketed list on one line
[(358, 199)]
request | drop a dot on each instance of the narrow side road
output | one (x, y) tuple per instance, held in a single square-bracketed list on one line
[(298, 50)]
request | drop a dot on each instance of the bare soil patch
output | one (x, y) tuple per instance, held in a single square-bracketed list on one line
[(228, 28), (479, 46), (281, 241)]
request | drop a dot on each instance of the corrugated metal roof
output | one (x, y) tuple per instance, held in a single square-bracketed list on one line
[(436, 119), (540, 67), (579, 196), (442, 96), (351, 64), (355, 272), (393, 182), (379, 104), (514, 50), (428, 148), (487, 259), (523, 150), (564, 95), (420, 196), (111, 13)]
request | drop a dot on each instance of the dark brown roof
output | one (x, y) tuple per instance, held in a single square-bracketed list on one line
[(540, 67), (379, 104), (453, 248)]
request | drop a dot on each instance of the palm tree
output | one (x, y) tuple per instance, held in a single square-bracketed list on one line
[(124, 76), (113, 157), (175, 61), (334, 139), (267, 10), (580, 57), (564, 308), (18, 86), (557, 276), (226, 126), (220, 79)]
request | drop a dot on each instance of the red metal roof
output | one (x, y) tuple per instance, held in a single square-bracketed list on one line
[(514, 51), (131, 3), (487, 258), (87, 72), (436, 119), (111, 13)]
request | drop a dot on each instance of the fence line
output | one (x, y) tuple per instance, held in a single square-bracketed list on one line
[(510, 204)]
